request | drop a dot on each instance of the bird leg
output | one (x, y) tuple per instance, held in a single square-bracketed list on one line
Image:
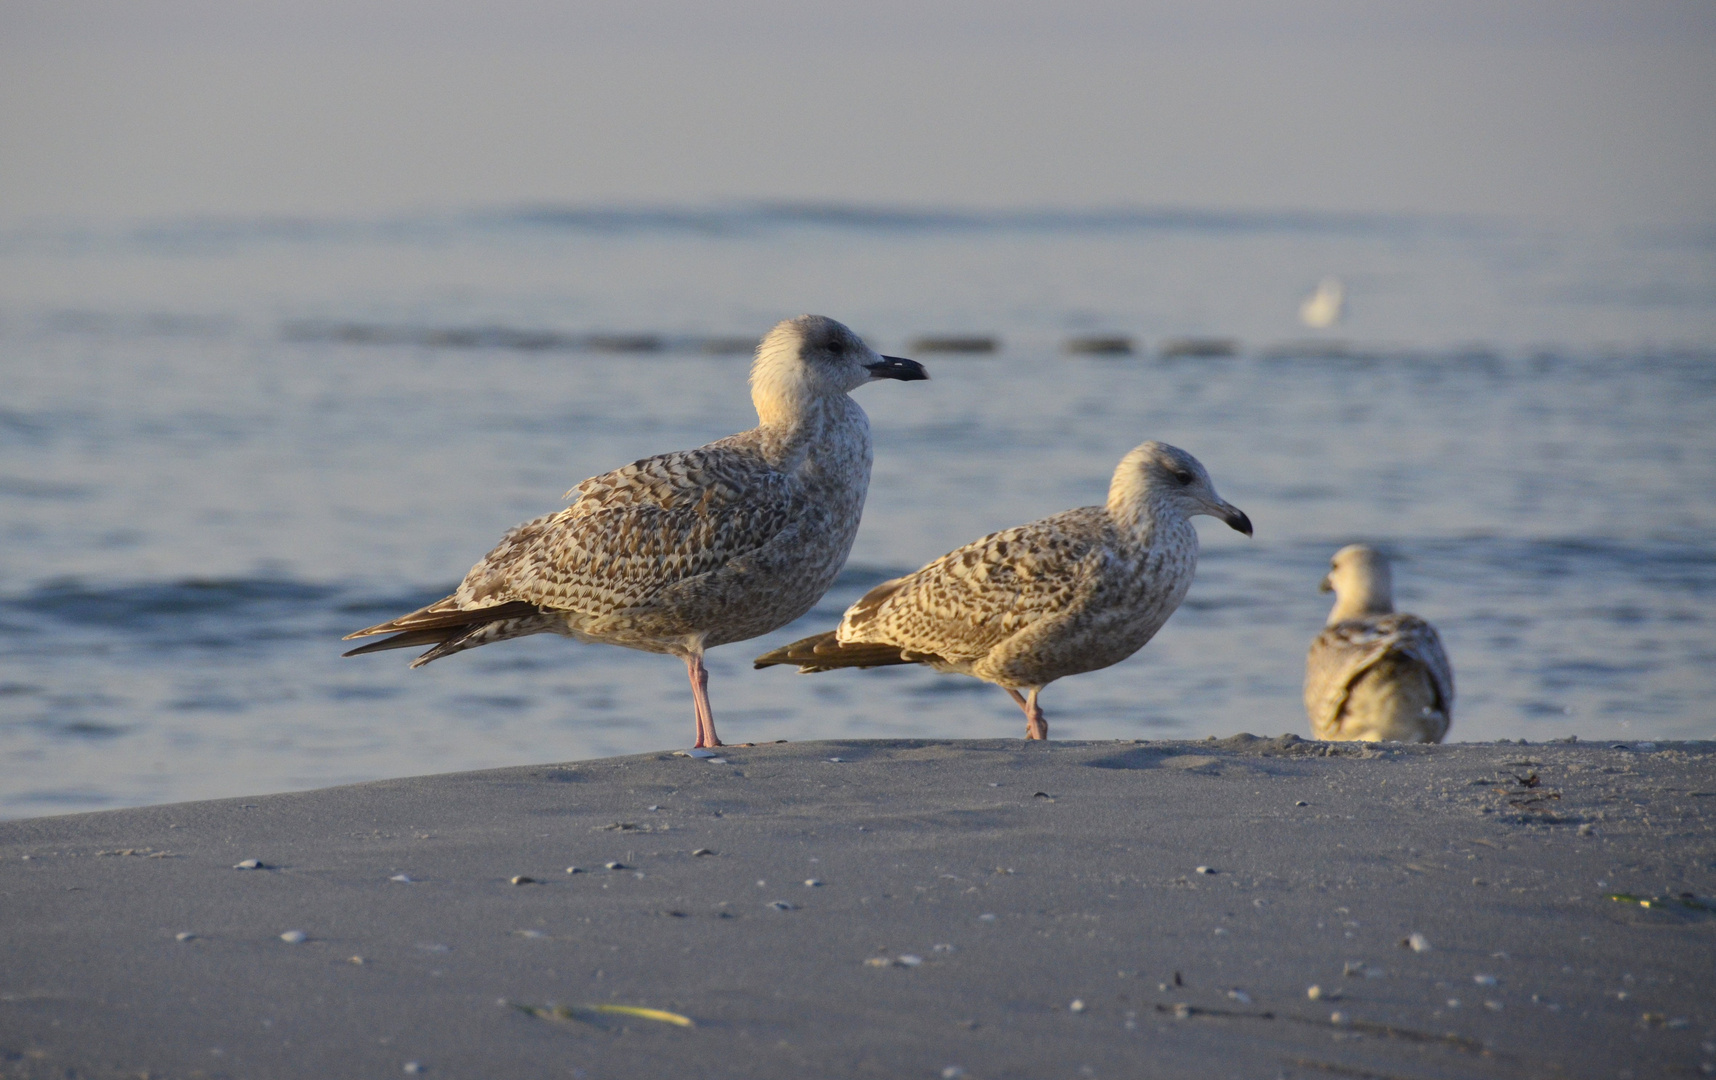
[(1036, 725), (706, 736)]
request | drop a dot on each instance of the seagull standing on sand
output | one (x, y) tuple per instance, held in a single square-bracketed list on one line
[(1020, 608), (1373, 674), (683, 552)]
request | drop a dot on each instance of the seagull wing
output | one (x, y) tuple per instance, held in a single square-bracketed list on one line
[(964, 604), (640, 531), (1346, 650), (633, 534), (1419, 640)]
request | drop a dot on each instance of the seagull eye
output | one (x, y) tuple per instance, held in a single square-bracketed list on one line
[(1183, 476)]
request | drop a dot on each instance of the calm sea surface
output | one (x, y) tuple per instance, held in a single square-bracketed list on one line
[(225, 444)]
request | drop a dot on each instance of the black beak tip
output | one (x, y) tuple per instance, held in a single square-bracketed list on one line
[(1238, 522), (898, 367)]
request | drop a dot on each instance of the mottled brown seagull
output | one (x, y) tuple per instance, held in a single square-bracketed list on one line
[(682, 552), (1375, 674), (1020, 608)]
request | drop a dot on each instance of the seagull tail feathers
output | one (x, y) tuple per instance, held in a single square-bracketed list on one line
[(410, 640), (448, 629), (822, 652)]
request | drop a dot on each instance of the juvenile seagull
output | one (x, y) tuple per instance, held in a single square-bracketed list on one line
[(1373, 674), (683, 552), (1025, 606)]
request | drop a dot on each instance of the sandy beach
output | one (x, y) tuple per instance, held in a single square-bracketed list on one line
[(975, 909)]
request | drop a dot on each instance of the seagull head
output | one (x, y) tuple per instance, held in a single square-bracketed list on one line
[(1361, 580), (1166, 475), (814, 356)]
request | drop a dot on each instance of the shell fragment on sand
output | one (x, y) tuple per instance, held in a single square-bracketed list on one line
[(593, 1013)]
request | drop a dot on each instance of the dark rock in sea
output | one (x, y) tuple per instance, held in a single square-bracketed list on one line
[(1101, 345), (1201, 347), (955, 343)]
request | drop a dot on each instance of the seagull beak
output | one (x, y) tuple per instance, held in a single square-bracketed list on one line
[(896, 367), (1235, 518), (1326, 585)]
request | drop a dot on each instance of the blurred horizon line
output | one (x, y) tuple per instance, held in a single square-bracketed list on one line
[(741, 217)]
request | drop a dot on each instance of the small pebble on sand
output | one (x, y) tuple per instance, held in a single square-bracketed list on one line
[(812, 882), (574, 869), (185, 936), (1206, 869), (986, 917), (1417, 943), (782, 905), (909, 960), (1484, 980), (415, 1067), (615, 865), (522, 880), (404, 878), (1337, 1017), (355, 960), (249, 864), (1077, 1005), (1301, 802), (702, 851), (294, 937), (1315, 993)]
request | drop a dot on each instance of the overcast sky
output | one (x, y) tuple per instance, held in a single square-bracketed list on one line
[(1566, 110)]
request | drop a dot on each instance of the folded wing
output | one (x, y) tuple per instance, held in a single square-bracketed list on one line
[(633, 537), (1342, 653), (957, 609)]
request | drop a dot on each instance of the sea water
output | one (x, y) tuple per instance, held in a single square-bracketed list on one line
[(224, 444)]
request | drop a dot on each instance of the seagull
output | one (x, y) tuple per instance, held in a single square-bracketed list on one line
[(682, 552), (1020, 608), (1374, 674), (1323, 308)]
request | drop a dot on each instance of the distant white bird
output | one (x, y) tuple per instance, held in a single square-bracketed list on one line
[(1323, 308), (1020, 608), (1373, 674), (686, 551)]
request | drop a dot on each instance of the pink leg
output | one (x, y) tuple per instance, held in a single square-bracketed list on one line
[(1036, 725), (706, 736)]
